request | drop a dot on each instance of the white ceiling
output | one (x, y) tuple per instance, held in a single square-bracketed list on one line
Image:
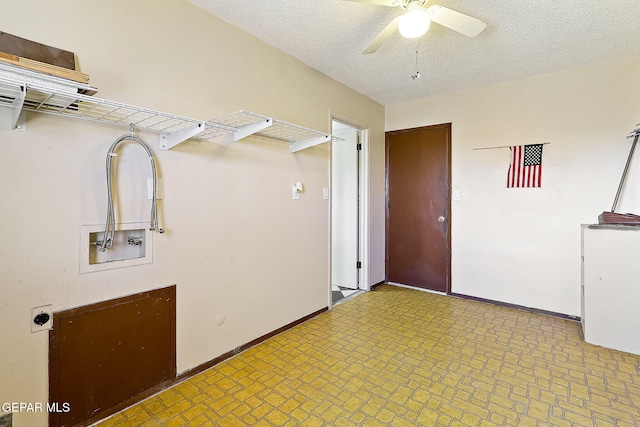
[(523, 38)]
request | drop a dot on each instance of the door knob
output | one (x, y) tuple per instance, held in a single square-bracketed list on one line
[(440, 219)]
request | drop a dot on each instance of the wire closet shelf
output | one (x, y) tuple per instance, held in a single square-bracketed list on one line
[(49, 100), (250, 123), (42, 98)]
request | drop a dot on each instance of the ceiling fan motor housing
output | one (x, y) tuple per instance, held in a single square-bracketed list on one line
[(415, 22), (417, 19), (407, 3)]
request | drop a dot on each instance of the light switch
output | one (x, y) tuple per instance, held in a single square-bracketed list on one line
[(325, 193), (456, 194), (297, 189)]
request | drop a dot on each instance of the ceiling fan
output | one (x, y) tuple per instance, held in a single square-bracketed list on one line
[(417, 18)]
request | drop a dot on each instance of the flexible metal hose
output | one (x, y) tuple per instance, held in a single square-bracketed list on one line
[(110, 225)]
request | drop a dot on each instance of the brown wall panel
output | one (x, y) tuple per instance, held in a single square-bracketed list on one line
[(104, 354)]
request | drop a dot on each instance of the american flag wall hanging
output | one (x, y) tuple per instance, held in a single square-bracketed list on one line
[(525, 169)]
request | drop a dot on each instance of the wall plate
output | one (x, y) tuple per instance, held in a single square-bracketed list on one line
[(39, 311), (121, 254)]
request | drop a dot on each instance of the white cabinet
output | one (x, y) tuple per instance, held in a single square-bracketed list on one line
[(611, 286)]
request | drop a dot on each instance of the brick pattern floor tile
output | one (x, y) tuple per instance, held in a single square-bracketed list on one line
[(401, 357)]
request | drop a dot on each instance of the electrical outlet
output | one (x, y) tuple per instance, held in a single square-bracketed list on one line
[(41, 318)]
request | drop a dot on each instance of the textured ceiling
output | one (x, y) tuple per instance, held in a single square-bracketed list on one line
[(523, 38)]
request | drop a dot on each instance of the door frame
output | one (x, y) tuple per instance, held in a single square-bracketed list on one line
[(447, 202), (350, 135), (364, 210)]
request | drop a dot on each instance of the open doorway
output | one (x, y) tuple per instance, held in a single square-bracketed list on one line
[(346, 211)]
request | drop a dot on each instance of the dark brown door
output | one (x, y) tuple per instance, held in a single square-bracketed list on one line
[(418, 204)]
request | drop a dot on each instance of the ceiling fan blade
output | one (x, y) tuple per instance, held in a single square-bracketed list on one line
[(390, 3), (457, 21), (383, 36)]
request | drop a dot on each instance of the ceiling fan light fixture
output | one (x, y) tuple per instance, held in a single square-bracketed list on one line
[(414, 23)]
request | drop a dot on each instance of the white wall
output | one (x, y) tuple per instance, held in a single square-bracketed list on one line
[(522, 246), (236, 243)]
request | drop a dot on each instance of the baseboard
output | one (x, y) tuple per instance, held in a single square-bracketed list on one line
[(519, 307), (203, 367), (130, 402), (415, 288), (211, 363), (375, 285)]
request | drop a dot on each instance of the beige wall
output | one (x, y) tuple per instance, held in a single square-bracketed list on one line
[(236, 243), (522, 246)]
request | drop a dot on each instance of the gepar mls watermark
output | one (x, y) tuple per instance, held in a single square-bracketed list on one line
[(57, 407)]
